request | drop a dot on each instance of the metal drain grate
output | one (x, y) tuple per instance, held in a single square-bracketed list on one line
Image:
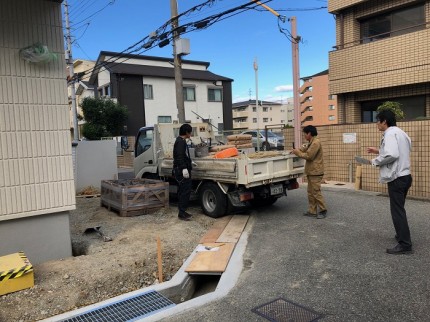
[(281, 310), (128, 309)]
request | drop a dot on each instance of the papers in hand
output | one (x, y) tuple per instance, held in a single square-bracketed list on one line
[(362, 160)]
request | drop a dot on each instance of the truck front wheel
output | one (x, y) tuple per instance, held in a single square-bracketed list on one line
[(213, 201)]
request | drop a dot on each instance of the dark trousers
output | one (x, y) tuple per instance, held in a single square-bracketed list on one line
[(184, 192), (397, 190)]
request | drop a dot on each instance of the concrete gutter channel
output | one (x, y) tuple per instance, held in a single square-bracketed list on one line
[(184, 289)]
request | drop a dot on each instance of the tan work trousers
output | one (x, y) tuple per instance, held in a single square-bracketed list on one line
[(315, 197)]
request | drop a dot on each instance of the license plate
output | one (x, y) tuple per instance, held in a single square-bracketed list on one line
[(276, 189)]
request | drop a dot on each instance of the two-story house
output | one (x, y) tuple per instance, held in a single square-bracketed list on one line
[(317, 106), (82, 88), (146, 86), (382, 53)]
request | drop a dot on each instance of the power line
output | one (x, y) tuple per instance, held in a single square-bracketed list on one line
[(111, 2), (161, 37)]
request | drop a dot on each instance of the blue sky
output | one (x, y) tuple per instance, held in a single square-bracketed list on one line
[(230, 45)]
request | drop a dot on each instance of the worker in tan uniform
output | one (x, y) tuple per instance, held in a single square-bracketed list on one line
[(314, 171)]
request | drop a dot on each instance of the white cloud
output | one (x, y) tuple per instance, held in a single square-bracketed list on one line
[(241, 99), (284, 88)]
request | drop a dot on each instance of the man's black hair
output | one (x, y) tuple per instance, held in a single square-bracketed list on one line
[(388, 116), (310, 129), (185, 129)]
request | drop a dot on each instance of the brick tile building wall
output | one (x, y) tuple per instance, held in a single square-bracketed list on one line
[(338, 156)]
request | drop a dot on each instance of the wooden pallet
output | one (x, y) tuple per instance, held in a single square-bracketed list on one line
[(134, 197)]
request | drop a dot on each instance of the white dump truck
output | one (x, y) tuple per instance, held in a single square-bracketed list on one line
[(221, 185)]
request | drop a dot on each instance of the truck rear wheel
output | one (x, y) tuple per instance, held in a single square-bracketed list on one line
[(212, 200)]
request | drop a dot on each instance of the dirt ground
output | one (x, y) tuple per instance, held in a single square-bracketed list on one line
[(106, 269)]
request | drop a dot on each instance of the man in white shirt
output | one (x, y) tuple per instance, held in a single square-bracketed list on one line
[(394, 165)]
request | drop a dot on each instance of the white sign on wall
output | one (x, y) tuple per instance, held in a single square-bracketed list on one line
[(349, 137)]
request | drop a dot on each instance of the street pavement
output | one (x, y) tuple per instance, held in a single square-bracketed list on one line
[(336, 266)]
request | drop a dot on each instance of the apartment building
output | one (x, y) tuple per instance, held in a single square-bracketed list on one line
[(382, 53), (146, 86), (317, 106), (247, 116)]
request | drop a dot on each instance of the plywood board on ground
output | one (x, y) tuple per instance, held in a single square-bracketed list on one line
[(233, 230), (211, 261), (215, 231)]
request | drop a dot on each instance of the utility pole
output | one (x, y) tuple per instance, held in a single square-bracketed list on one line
[(69, 61), (296, 82), (177, 62), (256, 103)]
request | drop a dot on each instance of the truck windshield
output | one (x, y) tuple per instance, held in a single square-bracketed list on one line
[(144, 141)]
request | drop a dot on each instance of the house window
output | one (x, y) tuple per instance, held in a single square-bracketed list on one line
[(164, 119), (254, 120), (214, 95), (331, 117), (254, 109), (394, 23), (412, 106), (104, 91), (331, 107), (189, 93), (331, 97), (265, 119), (147, 92), (264, 109)]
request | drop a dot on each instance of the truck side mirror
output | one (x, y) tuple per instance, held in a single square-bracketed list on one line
[(124, 143)]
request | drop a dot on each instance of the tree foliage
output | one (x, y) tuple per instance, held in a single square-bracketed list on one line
[(103, 118), (393, 106)]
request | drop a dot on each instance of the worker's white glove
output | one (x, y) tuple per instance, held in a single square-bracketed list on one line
[(185, 173)]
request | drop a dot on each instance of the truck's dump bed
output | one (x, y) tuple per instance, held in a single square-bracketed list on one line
[(243, 169)]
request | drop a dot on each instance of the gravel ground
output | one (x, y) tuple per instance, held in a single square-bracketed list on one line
[(100, 270)]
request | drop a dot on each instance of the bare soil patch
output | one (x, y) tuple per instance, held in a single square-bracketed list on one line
[(125, 264)]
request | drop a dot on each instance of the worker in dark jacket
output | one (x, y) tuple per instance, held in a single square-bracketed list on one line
[(182, 170)]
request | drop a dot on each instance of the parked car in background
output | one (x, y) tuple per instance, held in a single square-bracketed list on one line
[(272, 142)]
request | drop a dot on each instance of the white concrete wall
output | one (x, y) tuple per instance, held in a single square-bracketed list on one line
[(164, 102), (103, 77), (95, 161)]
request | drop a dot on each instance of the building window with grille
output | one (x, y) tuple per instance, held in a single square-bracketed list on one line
[(189, 93), (104, 91), (393, 23), (254, 109), (331, 107), (265, 109), (214, 95), (254, 120), (164, 119), (265, 119), (147, 92)]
